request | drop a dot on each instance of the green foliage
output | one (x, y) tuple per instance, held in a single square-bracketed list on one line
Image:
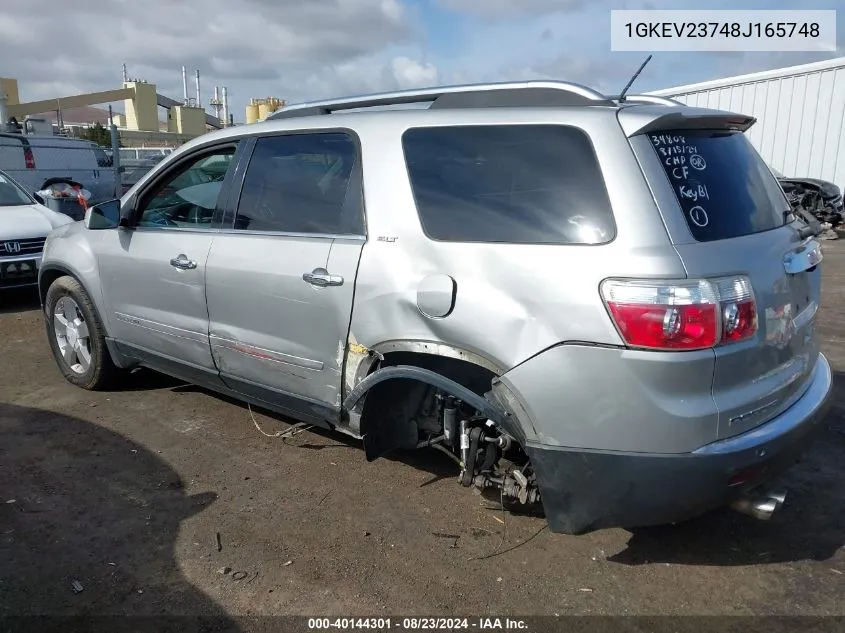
[(99, 135)]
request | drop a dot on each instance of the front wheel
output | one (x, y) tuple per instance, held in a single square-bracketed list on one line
[(76, 336)]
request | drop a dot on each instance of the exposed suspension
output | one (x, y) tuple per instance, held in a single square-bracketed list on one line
[(481, 448)]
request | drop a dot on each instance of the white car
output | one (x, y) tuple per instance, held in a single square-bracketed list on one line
[(24, 225)]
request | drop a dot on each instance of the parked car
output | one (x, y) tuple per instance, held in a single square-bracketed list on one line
[(24, 225), (137, 161), (603, 306), (144, 153), (821, 198), (31, 160), (133, 170)]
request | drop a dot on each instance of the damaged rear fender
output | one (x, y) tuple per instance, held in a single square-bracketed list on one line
[(383, 425), (484, 406)]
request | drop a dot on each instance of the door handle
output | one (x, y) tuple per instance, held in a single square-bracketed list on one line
[(182, 262), (320, 277)]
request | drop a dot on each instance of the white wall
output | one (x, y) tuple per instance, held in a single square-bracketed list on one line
[(800, 111)]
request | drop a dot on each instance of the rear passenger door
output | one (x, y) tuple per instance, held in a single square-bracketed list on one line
[(281, 277)]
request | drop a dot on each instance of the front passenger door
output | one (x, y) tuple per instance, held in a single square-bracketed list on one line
[(153, 272)]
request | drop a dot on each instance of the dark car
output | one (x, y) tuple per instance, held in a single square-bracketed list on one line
[(821, 198), (134, 170)]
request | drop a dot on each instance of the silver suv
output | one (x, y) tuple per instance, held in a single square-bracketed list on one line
[(603, 305)]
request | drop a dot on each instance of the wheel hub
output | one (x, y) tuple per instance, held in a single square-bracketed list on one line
[(72, 335)]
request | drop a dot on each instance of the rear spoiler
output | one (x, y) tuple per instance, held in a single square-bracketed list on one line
[(642, 119)]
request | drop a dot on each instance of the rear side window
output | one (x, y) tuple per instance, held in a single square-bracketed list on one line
[(724, 188), (303, 183), (520, 184)]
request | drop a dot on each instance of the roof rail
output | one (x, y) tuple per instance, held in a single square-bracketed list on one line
[(655, 99), (501, 94)]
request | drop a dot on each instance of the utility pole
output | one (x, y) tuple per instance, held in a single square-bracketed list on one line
[(115, 152), (4, 112)]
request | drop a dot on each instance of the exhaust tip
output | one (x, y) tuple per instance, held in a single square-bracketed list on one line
[(759, 508), (777, 495)]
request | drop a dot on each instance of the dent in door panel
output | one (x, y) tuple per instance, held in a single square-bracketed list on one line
[(260, 309)]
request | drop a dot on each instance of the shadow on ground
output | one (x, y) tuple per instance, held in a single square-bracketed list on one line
[(19, 300), (806, 528), (81, 504)]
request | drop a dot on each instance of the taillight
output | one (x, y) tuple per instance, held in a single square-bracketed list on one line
[(659, 315), (739, 310), (682, 314)]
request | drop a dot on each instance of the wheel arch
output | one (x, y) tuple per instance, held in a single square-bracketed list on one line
[(397, 369), (49, 273)]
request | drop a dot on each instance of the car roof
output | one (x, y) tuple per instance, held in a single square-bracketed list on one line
[(46, 140), (490, 102)]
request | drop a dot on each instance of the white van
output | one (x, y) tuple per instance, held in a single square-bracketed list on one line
[(31, 160)]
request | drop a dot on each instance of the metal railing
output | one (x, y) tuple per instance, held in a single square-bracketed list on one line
[(533, 93), (653, 99)]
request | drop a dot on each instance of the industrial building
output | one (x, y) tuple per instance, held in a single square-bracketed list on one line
[(139, 124), (259, 109), (800, 113)]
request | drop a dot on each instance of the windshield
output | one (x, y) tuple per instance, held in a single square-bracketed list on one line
[(724, 188), (11, 195)]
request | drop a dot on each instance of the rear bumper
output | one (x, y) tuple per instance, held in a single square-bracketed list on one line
[(584, 490)]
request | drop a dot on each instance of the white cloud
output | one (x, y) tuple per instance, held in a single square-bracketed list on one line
[(255, 47), (503, 8), (412, 74), (370, 75)]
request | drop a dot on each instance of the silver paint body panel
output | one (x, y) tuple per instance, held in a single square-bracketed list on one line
[(533, 312), (151, 304)]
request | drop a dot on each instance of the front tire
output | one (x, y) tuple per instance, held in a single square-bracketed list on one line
[(77, 338)]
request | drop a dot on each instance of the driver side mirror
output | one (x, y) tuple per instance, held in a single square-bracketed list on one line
[(105, 215)]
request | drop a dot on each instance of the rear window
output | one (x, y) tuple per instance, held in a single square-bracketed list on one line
[(523, 184), (722, 185), (103, 159)]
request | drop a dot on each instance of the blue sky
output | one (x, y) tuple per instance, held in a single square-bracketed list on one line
[(571, 40), (299, 50)]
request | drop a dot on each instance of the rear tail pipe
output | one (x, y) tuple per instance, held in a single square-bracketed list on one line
[(761, 505)]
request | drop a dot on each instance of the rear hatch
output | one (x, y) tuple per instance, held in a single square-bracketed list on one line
[(728, 218)]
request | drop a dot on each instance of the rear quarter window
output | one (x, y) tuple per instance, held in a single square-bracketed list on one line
[(519, 184), (723, 187)]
